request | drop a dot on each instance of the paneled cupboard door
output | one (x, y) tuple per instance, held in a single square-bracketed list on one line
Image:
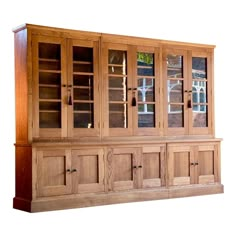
[(153, 166), (136, 168), (53, 172), (122, 168), (131, 90), (193, 164), (83, 88), (88, 170), (49, 75)]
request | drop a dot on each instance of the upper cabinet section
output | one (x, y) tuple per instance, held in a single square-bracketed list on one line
[(84, 85), (65, 84), (188, 92)]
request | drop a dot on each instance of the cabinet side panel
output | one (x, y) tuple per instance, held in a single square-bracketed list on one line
[(23, 172), (21, 94)]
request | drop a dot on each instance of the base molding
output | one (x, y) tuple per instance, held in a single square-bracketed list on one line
[(87, 200)]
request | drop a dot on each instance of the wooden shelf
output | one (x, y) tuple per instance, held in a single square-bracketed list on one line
[(83, 112), (49, 60), (83, 73), (83, 101), (145, 67), (117, 65), (49, 100), (83, 62), (50, 85), (50, 71), (49, 111)]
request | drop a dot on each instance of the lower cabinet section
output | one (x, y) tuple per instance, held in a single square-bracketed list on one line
[(193, 164), (68, 176), (135, 168), (69, 171)]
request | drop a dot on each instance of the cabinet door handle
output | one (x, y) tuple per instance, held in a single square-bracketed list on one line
[(74, 170), (140, 166), (196, 163), (134, 167), (68, 170), (192, 164)]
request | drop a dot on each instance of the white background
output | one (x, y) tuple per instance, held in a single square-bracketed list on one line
[(199, 21)]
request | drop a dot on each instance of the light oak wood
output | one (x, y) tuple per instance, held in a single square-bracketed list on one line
[(88, 200), (59, 166)]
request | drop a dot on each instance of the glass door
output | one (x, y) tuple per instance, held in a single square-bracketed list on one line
[(178, 98), (118, 90), (147, 113), (48, 74), (82, 89), (200, 84)]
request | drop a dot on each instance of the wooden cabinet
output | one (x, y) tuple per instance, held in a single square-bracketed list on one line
[(136, 167), (132, 90), (53, 172), (68, 171), (193, 164), (104, 119), (188, 92), (65, 87)]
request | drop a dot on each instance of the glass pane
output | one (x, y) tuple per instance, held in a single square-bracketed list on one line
[(82, 59), (117, 95), (145, 64), (200, 117), (49, 78), (83, 106), (146, 115), (117, 82), (49, 51), (49, 65), (117, 89), (175, 91), (49, 120), (49, 85), (175, 116), (83, 93), (49, 93), (118, 116), (83, 120), (175, 66), (53, 106), (117, 69), (83, 67), (117, 57), (199, 89), (82, 54), (146, 90), (199, 70), (83, 80)]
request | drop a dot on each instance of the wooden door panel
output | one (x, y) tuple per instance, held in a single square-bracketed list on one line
[(88, 170), (122, 168), (153, 167), (53, 172), (206, 164), (180, 170)]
